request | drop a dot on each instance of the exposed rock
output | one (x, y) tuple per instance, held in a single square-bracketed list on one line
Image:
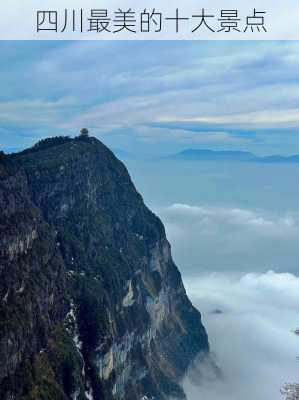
[(89, 241), (33, 300)]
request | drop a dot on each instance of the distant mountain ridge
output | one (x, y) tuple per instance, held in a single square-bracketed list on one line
[(230, 155)]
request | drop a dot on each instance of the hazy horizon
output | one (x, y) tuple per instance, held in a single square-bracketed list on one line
[(234, 230)]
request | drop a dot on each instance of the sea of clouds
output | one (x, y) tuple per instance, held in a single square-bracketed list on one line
[(209, 238), (250, 317), (252, 339)]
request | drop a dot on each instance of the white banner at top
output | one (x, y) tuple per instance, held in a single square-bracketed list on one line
[(149, 20)]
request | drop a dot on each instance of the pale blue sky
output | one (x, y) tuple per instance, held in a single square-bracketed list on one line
[(153, 97)]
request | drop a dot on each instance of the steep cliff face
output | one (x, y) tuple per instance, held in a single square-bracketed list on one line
[(134, 331), (33, 300)]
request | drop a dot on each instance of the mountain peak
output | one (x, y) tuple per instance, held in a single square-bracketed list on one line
[(122, 303)]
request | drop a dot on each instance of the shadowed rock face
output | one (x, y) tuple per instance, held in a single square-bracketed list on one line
[(32, 281), (129, 329)]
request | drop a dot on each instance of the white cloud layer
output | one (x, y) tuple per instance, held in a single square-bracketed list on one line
[(147, 97), (252, 339), (209, 238), (270, 118)]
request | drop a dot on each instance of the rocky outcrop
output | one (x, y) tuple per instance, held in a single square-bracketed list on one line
[(32, 282), (133, 330)]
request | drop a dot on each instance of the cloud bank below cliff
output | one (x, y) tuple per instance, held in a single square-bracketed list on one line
[(209, 238), (249, 316), (252, 338)]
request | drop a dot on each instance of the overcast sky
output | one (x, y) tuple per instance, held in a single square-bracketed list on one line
[(153, 97)]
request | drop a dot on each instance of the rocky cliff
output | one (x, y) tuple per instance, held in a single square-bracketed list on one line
[(92, 305)]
